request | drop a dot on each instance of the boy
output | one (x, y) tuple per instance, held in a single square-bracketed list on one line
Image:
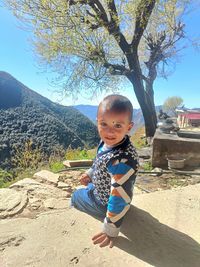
[(111, 178)]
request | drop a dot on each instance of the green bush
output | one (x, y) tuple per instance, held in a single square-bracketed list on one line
[(77, 154), (27, 157), (5, 178), (147, 166), (56, 166)]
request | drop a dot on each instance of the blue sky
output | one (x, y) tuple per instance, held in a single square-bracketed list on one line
[(17, 58)]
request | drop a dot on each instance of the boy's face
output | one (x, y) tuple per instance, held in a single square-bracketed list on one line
[(113, 126)]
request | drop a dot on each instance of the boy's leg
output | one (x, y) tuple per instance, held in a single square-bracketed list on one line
[(83, 199)]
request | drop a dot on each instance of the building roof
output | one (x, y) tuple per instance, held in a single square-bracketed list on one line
[(192, 116)]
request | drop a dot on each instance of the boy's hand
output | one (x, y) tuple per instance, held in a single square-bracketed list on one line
[(85, 179), (103, 239)]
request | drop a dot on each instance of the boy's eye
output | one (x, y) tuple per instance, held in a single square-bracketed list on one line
[(103, 124), (117, 125)]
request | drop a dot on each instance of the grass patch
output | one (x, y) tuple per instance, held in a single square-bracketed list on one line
[(177, 181), (78, 154), (28, 160), (147, 166), (8, 178), (5, 178), (138, 138), (56, 166)]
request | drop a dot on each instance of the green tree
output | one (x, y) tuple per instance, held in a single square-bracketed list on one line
[(95, 44), (171, 103)]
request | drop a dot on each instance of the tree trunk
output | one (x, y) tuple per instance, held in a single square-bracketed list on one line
[(150, 118), (146, 102)]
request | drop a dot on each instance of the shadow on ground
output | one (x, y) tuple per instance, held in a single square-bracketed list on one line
[(156, 243)]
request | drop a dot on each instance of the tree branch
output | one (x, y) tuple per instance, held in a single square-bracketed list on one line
[(158, 46), (143, 14), (116, 69), (112, 26)]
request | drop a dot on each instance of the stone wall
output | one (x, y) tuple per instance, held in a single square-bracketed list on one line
[(171, 146)]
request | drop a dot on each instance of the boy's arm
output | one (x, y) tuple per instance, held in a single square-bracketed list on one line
[(86, 177), (123, 174)]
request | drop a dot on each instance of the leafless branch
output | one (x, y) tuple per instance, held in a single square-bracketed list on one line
[(143, 14)]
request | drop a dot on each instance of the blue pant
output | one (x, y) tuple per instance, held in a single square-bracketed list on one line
[(84, 200)]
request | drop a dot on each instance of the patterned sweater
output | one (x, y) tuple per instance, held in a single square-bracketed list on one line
[(113, 174)]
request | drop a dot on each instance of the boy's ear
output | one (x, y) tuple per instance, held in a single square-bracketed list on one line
[(130, 126)]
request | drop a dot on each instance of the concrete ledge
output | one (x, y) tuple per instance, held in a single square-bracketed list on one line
[(162, 229), (78, 163), (169, 145)]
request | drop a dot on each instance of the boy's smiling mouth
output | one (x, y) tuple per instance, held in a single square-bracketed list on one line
[(110, 138)]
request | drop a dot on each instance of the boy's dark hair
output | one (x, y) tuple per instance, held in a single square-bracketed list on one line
[(118, 104)]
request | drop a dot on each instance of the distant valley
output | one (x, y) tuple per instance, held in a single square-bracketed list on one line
[(26, 115), (91, 112)]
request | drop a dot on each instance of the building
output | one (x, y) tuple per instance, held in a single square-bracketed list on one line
[(188, 118)]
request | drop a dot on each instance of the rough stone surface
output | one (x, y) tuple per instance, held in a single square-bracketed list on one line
[(41, 196), (161, 229), (145, 152), (47, 176), (26, 182), (63, 185), (11, 202), (171, 146)]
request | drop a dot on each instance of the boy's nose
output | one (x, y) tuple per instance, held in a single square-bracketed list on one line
[(110, 130)]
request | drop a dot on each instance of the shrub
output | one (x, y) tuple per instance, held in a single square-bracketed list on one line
[(77, 154), (138, 138), (56, 166), (5, 177), (28, 156), (147, 166)]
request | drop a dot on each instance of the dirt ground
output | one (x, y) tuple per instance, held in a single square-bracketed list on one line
[(145, 182)]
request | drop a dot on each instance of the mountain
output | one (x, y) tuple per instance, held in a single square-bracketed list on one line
[(26, 115), (91, 112)]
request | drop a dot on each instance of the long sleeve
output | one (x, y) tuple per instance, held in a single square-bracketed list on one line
[(123, 174)]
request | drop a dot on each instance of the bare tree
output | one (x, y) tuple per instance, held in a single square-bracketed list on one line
[(172, 103), (95, 43)]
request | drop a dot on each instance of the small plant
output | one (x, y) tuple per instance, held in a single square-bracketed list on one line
[(77, 154), (147, 166), (56, 158), (56, 166), (138, 138), (26, 157), (177, 181), (5, 178)]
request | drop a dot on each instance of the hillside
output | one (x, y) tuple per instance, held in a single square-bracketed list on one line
[(26, 115), (90, 111)]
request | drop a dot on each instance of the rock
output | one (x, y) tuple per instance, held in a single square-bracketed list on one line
[(26, 182), (68, 190), (11, 202), (49, 203), (158, 171), (63, 185), (35, 203), (47, 176), (53, 203), (144, 152)]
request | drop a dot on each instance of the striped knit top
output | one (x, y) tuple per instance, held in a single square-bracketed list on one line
[(113, 174)]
